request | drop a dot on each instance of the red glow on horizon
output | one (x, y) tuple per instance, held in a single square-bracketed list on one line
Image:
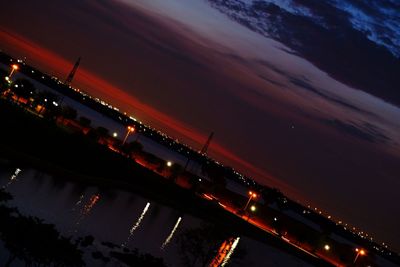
[(98, 85)]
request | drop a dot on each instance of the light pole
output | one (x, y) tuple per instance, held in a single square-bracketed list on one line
[(14, 67), (360, 252), (251, 196), (129, 130)]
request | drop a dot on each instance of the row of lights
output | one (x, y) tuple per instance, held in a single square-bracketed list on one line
[(345, 226), (327, 247)]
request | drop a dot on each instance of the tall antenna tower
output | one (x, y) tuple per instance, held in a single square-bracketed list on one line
[(207, 144), (72, 73), (203, 150)]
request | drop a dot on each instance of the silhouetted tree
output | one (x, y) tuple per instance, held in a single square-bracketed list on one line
[(86, 241), (132, 148), (85, 122), (34, 242), (68, 112), (161, 167), (134, 258), (274, 195), (175, 170), (102, 131), (198, 246), (152, 159)]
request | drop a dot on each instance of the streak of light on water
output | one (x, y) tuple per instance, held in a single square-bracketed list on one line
[(13, 178), (84, 212), (230, 252), (78, 203), (137, 223), (225, 252), (89, 206), (166, 242)]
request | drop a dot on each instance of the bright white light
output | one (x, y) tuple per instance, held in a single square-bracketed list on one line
[(137, 223), (13, 177), (230, 252), (171, 234)]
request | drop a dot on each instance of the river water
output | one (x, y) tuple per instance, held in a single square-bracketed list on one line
[(116, 216)]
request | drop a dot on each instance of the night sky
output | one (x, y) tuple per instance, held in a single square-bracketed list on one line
[(307, 107)]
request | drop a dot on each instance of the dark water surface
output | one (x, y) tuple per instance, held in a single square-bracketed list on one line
[(116, 216)]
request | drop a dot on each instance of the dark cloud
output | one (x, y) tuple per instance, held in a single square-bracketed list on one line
[(272, 67), (304, 84), (365, 131), (333, 38), (272, 81)]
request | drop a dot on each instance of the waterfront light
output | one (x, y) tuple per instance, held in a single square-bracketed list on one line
[(360, 252), (251, 196), (129, 130), (14, 67)]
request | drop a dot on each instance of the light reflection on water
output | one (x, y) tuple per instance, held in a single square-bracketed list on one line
[(137, 223), (225, 252), (166, 242), (108, 215), (12, 179), (85, 210), (105, 214)]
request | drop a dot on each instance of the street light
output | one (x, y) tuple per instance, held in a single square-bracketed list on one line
[(14, 67), (360, 252), (253, 208), (129, 130), (327, 247), (169, 163), (115, 134), (251, 196)]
